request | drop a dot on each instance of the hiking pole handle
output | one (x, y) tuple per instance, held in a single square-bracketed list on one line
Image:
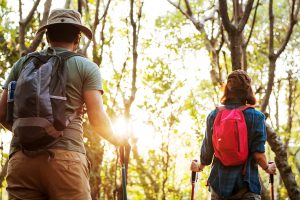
[(122, 154), (271, 180), (194, 175), (194, 178)]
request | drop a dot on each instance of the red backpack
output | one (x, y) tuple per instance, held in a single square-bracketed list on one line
[(230, 136)]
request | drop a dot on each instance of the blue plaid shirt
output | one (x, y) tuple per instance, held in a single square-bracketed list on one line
[(226, 181)]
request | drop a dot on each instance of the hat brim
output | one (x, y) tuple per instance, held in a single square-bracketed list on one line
[(86, 31)]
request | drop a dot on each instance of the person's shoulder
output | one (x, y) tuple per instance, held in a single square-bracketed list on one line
[(255, 112), (83, 60), (19, 63), (213, 114)]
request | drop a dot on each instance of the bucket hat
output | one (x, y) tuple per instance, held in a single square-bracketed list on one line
[(66, 16)]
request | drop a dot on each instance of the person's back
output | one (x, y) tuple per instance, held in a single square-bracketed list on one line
[(240, 181), (60, 169)]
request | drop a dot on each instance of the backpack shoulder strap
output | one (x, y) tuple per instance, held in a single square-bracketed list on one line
[(220, 108), (68, 54), (30, 56)]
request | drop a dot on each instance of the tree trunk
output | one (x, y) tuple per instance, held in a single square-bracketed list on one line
[(235, 49), (271, 78), (235, 29), (282, 163)]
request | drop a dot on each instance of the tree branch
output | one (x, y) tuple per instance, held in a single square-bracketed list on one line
[(252, 25), (94, 28), (20, 10), (188, 8), (293, 21), (30, 14), (271, 29), (246, 15), (67, 4), (224, 15), (103, 18), (197, 24), (38, 38), (23, 24), (134, 52), (79, 6)]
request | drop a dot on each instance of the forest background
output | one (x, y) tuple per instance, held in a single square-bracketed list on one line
[(164, 64)]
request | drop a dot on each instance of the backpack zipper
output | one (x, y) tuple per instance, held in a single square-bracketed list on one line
[(238, 134)]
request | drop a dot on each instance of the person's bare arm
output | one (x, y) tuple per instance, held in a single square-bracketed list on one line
[(261, 160), (98, 117), (3, 102)]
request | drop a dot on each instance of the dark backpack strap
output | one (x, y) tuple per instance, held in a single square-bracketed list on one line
[(68, 54), (31, 56), (220, 108)]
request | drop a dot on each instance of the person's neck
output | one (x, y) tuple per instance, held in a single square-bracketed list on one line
[(65, 45)]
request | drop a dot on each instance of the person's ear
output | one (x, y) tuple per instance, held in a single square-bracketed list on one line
[(77, 40)]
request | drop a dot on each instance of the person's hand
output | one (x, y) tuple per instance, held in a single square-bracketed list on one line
[(124, 151), (271, 168), (196, 166), (120, 141)]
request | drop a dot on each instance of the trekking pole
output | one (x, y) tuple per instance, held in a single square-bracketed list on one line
[(271, 181), (194, 179), (122, 155)]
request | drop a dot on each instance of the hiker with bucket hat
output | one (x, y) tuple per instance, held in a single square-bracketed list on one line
[(47, 158)]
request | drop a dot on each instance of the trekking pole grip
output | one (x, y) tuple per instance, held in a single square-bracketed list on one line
[(271, 178), (122, 154), (194, 174), (271, 181)]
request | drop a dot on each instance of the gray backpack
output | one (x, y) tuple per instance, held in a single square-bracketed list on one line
[(39, 101)]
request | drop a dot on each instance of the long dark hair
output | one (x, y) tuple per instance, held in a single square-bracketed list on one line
[(238, 87)]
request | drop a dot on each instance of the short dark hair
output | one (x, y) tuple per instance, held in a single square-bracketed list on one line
[(62, 33), (238, 86)]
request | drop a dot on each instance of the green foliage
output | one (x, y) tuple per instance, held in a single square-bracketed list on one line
[(8, 40), (171, 109)]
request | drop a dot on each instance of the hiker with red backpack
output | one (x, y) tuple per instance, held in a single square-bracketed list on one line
[(48, 90), (234, 143)]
